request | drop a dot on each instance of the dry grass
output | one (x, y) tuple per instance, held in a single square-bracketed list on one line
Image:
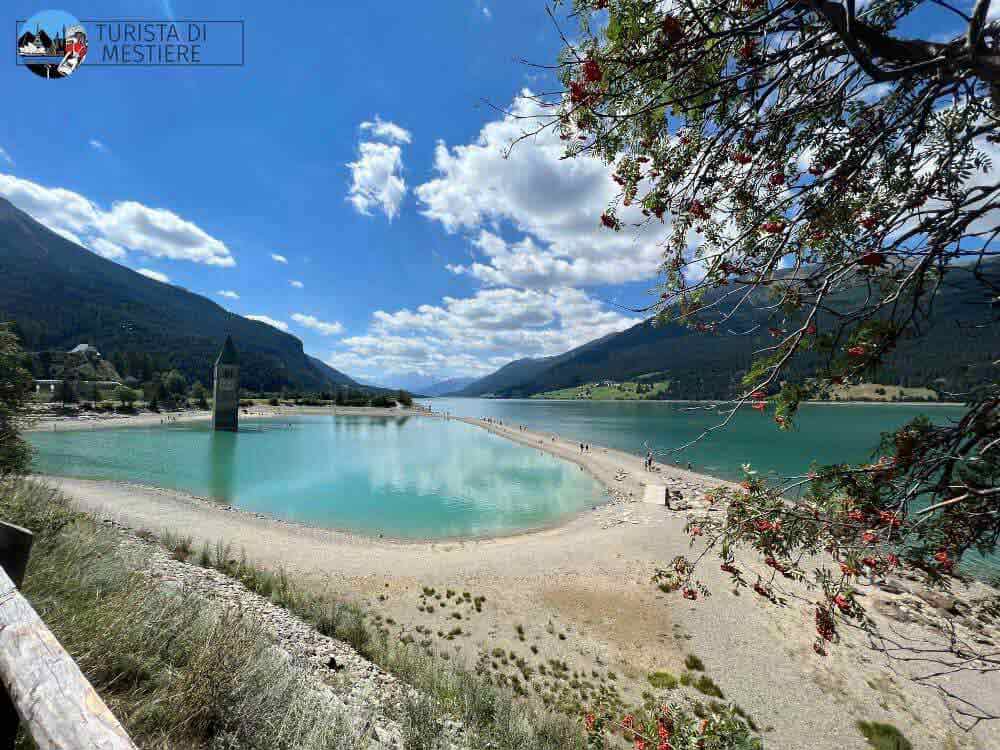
[(176, 673)]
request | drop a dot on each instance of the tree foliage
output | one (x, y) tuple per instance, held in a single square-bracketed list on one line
[(127, 396), (15, 390), (811, 163)]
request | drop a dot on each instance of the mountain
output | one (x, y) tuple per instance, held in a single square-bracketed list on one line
[(61, 295), (335, 376), (955, 353), (507, 377), (446, 387)]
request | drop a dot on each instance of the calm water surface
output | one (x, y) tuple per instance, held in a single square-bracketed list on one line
[(405, 477), (833, 433)]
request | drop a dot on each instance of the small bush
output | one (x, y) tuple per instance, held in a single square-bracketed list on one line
[(883, 736), (693, 662), (662, 680), (705, 685), (421, 728)]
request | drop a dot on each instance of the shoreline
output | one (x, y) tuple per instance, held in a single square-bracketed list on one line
[(149, 419), (815, 402)]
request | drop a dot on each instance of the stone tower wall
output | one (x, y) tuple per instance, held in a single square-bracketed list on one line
[(226, 398)]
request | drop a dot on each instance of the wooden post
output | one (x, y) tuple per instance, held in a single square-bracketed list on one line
[(15, 546), (59, 707)]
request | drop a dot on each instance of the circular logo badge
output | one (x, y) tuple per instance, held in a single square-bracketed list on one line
[(51, 44)]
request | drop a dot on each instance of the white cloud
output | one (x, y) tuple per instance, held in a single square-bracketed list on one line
[(98, 145), (162, 234), (475, 335), (128, 225), (279, 324), (525, 264), (321, 327), (487, 12), (279, 258), (387, 130), (5, 156), (297, 284), (107, 249), (376, 179), (154, 275), (229, 294), (554, 204)]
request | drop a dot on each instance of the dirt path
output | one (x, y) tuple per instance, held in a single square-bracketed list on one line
[(581, 594)]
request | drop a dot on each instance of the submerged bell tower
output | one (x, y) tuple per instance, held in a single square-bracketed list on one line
[(226, 392)]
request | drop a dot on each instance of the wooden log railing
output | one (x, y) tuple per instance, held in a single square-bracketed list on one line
[(40, 684)]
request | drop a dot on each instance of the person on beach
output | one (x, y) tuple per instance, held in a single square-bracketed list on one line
[(666, 498)]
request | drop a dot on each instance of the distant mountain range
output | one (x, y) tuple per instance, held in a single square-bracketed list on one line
[(955, 353), (423, 385), (445, 387), (61, 294)]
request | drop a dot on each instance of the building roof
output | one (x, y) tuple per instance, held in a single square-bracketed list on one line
[(228, 355)]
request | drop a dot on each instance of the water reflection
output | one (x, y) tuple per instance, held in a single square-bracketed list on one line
[(222, 472), (402, 476)]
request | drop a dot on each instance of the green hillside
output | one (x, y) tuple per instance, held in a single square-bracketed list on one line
[(61, 294), (607, 390)]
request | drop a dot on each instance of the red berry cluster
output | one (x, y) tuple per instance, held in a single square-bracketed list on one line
[(672, 30), (872, 259)]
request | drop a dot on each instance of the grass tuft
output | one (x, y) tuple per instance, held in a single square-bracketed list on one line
[(883, 736), (693, 662), (662, 680)]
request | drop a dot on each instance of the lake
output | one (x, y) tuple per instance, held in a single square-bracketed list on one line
[(414, 478), (405, 477), (826, 433)]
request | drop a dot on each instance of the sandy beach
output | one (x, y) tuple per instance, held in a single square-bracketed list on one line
[(581, 593)]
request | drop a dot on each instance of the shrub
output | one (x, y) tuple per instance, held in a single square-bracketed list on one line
[(705, 685), (883, 736), (693, 662), (662, 680)]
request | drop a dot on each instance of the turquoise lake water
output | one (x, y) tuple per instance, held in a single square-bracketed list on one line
[(826, 433), (406, 477), (415, 478)]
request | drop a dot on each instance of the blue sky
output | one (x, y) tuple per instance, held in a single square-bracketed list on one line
[(367, 160), (347, 183)]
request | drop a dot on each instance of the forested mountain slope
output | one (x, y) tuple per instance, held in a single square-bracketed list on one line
[(956, 353), (61, 294)]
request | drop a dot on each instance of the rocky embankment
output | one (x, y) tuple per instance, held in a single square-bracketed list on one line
[(370, 698)]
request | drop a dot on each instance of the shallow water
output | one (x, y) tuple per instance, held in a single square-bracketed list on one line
[(405, 477)]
